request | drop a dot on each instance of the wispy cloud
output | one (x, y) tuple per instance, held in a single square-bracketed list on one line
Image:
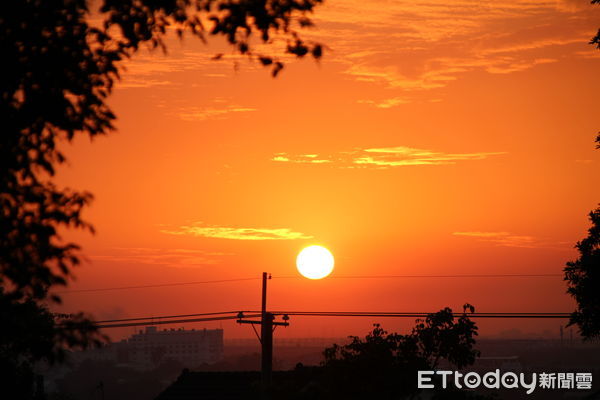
[(159, 256), (508, 239), (533, 44), (141, 82), (154, 68), (300, 158), (204, 113), (507, 68), (407, 45), (384, 157), (385, 103), (391, 77), (149, 69), (572, 5), (222, 232), (402, 155)]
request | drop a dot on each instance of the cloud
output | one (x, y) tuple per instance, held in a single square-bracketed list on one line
[(222, 232), (386, 103), (148, 69), (204, 113), (301, 158), (152, 68), (400, 43), (137, 82), (392, 78), (587, 54), (384, 157), (505, 239), (439, 72), (213, 108), (407, 45), (572, 5), (159, 256), (402, 155), (518, 66), (482, 234), (532, 44)]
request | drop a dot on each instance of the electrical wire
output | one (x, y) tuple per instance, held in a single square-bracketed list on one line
[(155, 285), (177, 321), (166, 317), (404, 313), (221, 316), (159, 285), (424, 315), (430, 276)]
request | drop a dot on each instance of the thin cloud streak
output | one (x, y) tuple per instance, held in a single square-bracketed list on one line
[(222, 232), (159, 256), (508, 239), (384, 157), (201, 114), (385, 103)]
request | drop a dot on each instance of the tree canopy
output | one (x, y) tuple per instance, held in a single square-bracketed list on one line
[(583, 277), (386, 365), (59, 69), (61, 61), (583, 274)]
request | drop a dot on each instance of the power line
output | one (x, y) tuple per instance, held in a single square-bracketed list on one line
[(159, 285), (177, 321), (419, 314), (166, 317), (154, 285), (228, 315), (394, 313), (431, 276)]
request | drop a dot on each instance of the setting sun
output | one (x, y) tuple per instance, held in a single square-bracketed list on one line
[(315, 262)]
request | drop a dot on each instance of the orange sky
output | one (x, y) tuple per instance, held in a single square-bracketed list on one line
[(433, 138)]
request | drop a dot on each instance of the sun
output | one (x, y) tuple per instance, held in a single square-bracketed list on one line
[(314, 262)]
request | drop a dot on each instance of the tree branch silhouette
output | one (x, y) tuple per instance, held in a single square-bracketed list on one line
[(385, 364), (583, 277), (61, 62)]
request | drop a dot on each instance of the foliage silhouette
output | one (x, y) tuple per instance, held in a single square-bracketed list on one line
[(582, 274), (59, 71), (60, 64), (31, 333), (386, 365), (583, 277), (596, 39)]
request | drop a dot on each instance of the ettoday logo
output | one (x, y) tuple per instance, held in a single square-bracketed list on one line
[(508, 380)]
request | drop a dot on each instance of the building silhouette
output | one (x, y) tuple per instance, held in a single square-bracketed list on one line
[(148, 348), (189, 347)]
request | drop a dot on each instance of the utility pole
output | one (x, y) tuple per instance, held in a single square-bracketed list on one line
[(266, 339), (267, 326)]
